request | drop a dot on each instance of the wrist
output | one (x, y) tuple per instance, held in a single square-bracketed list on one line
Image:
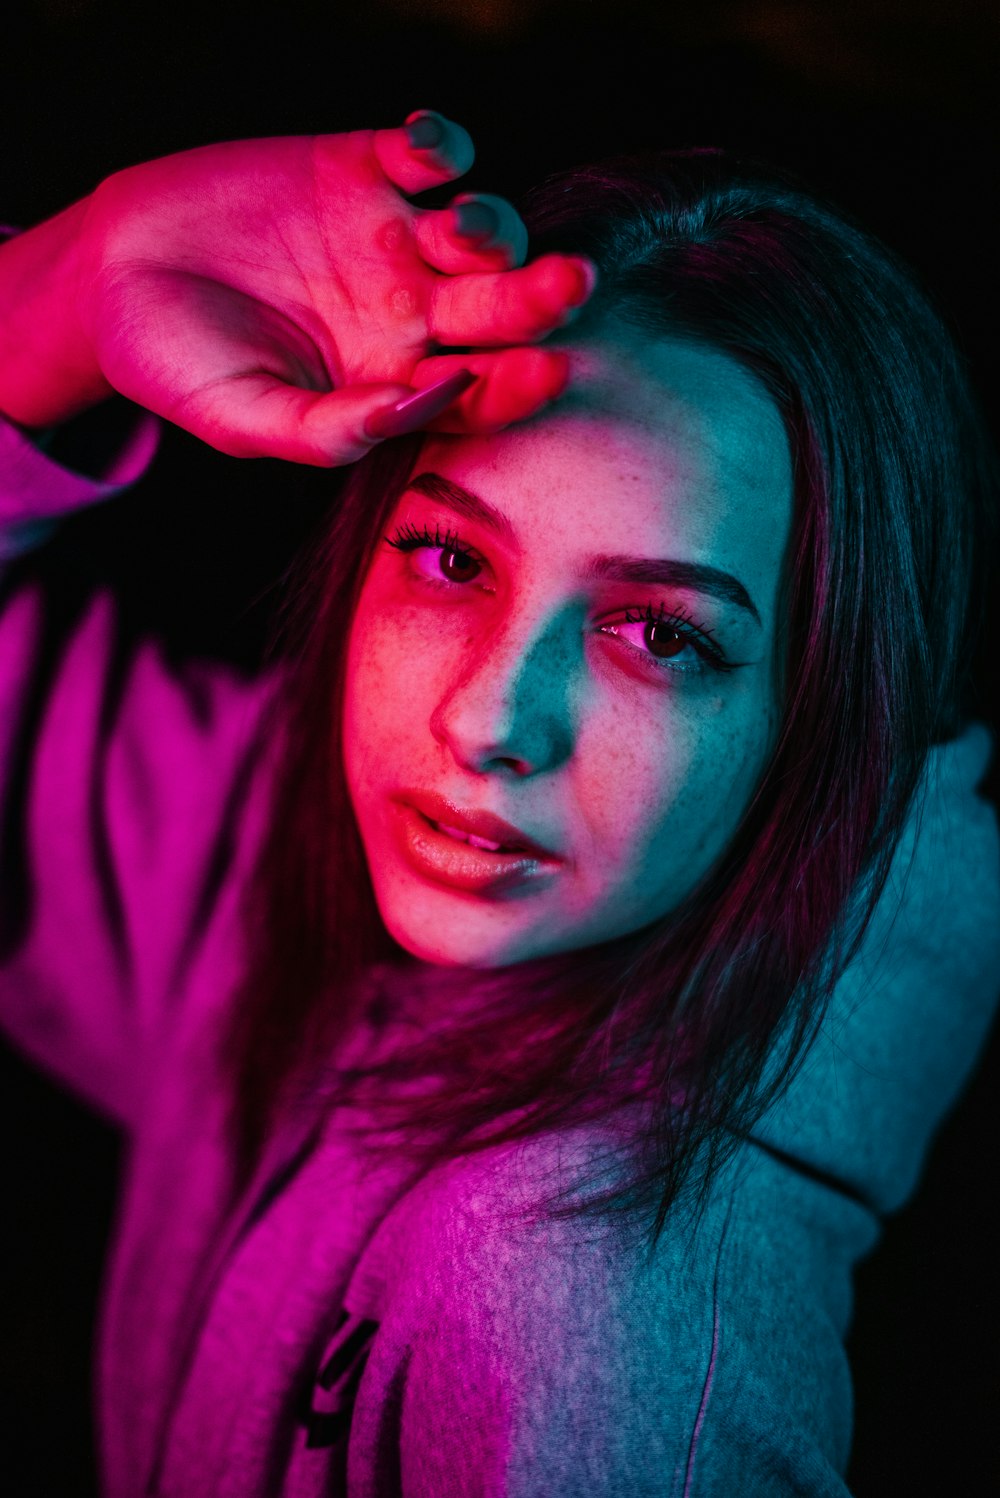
[(48, 367)]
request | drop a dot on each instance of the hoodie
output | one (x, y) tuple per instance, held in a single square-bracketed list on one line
[(359, 1326)]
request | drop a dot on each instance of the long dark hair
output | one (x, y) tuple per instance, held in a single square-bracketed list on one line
[(698, 1021)]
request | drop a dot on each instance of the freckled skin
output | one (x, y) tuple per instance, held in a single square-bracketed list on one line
[(505, 694)]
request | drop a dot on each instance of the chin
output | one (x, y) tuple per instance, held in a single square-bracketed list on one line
[(450, 954), (446, 941)]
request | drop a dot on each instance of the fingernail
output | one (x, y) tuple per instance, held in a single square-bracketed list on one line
[(415, 411), (586, 281), (424, 130), (476, 220)]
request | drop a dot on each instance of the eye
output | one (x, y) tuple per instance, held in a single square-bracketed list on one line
[(453, 562), (665, 639), (458, 566)]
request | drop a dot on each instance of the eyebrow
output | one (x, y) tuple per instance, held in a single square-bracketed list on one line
[(696, 576)]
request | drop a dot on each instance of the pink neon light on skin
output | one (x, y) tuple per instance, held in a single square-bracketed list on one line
[(515, 685)]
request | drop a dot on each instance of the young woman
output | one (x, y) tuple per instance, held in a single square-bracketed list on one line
[(525, 1000)]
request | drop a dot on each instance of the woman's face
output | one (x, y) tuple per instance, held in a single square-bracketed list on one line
[(540, 640)]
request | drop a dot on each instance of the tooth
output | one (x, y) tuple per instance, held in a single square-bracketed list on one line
[(468, 837), (481, 842), (452, 831)]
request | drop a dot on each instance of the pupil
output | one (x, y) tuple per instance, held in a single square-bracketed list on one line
[(458, 565), (660, 638)]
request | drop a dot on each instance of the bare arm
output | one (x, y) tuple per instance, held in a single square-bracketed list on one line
[(48, 371)]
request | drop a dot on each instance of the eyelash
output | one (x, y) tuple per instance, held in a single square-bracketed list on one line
[(408, 538), (682, 624)]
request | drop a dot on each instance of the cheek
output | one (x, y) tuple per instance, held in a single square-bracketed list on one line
[(396, 661), (635, 785), (662, 794), (373, 714), (370, 697)]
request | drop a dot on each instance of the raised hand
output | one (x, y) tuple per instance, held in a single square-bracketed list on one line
[(271, 296)]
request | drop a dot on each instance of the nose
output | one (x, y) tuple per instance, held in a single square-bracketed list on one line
[(510, 706)]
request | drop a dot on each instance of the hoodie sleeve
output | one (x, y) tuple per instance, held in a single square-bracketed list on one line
[(911, 1015), (519, 1359), (122, 789), (35, 491)]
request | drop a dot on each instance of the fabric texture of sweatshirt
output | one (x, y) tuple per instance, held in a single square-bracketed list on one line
[(368, 1330)]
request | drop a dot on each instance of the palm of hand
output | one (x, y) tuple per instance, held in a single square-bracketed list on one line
[(267, 295)]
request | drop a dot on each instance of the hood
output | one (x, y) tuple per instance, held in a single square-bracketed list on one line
[(910, 1016)]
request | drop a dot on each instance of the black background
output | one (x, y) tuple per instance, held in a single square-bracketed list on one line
[(889, 108)]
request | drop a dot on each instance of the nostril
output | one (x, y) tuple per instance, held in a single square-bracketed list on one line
[(519, 766)]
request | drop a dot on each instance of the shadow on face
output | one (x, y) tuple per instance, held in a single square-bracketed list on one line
[(560, 692)]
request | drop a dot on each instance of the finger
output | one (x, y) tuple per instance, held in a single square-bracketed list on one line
[(414, 413), (476, 232), (517, 306), (424, 152), (258, 416), (512, 384)]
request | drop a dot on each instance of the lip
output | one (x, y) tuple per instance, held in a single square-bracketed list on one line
[(484, 824), (448, 861)]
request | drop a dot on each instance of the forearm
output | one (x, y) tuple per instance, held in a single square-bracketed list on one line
[(48, 369)]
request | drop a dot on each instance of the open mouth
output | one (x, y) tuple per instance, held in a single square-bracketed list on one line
[(463, 860), (472, 839)]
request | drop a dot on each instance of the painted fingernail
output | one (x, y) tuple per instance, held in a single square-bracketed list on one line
[(586, 273), (415, 411), (477, 221), (424, 130)]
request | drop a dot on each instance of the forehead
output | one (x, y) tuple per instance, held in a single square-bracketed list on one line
[(658, 448)]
